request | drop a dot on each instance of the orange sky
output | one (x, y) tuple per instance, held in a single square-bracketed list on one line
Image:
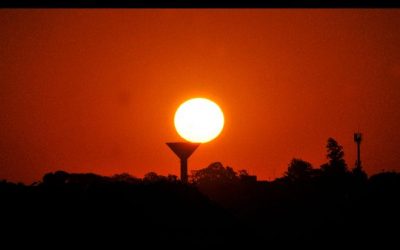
[(96, 90)]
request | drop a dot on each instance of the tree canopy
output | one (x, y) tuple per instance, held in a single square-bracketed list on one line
[(336, 164)]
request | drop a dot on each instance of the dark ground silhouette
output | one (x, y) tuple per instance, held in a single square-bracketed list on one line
[(325, 206)]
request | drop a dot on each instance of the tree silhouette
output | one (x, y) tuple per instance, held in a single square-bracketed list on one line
[(125, 177), (336, 164), (172, 178), (214, 173), (243, 173), (299, 170), (58, 178), (153, 177)]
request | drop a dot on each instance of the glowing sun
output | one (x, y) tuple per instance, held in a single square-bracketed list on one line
[(199, 120)]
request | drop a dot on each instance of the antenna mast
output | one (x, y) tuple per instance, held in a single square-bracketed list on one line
[(357, 139)]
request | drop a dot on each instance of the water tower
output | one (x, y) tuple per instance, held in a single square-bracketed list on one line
[(183, 150)]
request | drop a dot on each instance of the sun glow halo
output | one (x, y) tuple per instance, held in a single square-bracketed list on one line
[(199, 120)]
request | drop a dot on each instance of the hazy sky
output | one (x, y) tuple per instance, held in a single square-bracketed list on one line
[(96, 90)]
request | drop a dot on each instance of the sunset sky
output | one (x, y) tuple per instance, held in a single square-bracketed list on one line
[(96, 90)]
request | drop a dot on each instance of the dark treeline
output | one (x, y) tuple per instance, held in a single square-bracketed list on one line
[(332, 204)]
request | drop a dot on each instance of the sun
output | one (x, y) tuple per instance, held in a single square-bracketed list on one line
[(199, 120)]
